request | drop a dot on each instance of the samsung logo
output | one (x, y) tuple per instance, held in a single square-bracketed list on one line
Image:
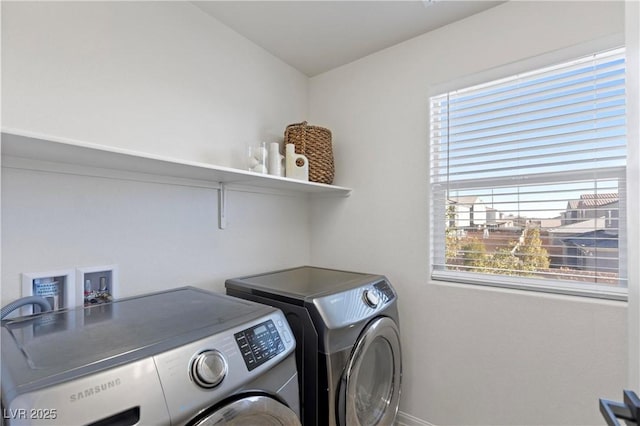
[(89, 392)]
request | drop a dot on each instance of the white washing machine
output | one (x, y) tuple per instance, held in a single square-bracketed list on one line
[(348, 341), (180, 357)]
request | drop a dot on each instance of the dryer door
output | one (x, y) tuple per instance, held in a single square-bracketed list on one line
[(370, 391), (250, 410)]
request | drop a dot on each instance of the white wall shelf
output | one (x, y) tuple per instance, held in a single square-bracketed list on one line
[(24, 150)]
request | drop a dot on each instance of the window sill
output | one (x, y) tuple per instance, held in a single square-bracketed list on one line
[(535, 290)]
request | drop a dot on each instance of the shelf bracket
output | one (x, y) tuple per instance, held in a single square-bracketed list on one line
[(222, 206)]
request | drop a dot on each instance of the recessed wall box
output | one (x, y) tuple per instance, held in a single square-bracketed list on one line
[(96, 284), (55, 286)]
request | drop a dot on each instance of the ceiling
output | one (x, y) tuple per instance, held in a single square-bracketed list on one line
[(316, 36)]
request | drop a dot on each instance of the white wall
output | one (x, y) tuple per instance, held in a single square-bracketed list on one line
[(159, 77), (472, 355), (161, 236)]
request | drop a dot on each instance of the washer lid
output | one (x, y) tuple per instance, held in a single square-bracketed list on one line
[(54, 347), (302, 284)]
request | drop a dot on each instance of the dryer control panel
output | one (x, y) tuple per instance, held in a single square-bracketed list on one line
[(385, 290), (341, 309), (258, 344)]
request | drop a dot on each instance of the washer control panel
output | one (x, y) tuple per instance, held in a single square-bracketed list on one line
[(199, 374), (260, 343)]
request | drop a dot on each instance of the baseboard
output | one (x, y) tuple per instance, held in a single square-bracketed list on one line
[(404, 419)]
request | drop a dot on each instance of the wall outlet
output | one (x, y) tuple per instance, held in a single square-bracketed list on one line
[(96, 285), (55, 286)]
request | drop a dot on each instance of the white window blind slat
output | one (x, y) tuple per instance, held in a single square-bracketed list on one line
[(567, 105), (578, 181), (472, 172), (538, 153), (528, 121), (507, 149), (605, 127), (590, 69), (498, 106)]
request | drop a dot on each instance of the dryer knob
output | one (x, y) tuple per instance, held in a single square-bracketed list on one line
[(371, 298), (209, 369)]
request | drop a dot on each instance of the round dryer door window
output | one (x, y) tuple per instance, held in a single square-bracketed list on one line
[(251, 410), (372, 380)]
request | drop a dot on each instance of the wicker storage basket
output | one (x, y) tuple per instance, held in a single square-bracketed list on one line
[(314, 142)]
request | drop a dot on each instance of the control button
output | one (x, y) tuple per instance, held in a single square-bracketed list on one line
[(287, 338), (209, 369), (280, 323), (371, 298)]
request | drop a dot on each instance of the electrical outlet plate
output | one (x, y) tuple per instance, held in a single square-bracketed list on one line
[(102, 279), (55, 286)]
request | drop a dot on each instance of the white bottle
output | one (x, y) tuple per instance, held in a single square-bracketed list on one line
[(275, 159)]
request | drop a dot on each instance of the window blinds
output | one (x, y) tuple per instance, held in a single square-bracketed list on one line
[(527, 176)]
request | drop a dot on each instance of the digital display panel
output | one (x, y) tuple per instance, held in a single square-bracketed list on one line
[(259, 344)]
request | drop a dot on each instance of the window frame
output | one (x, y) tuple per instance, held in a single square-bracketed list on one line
[(437, 228)]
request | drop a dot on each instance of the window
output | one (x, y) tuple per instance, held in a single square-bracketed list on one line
[(528, 180)]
